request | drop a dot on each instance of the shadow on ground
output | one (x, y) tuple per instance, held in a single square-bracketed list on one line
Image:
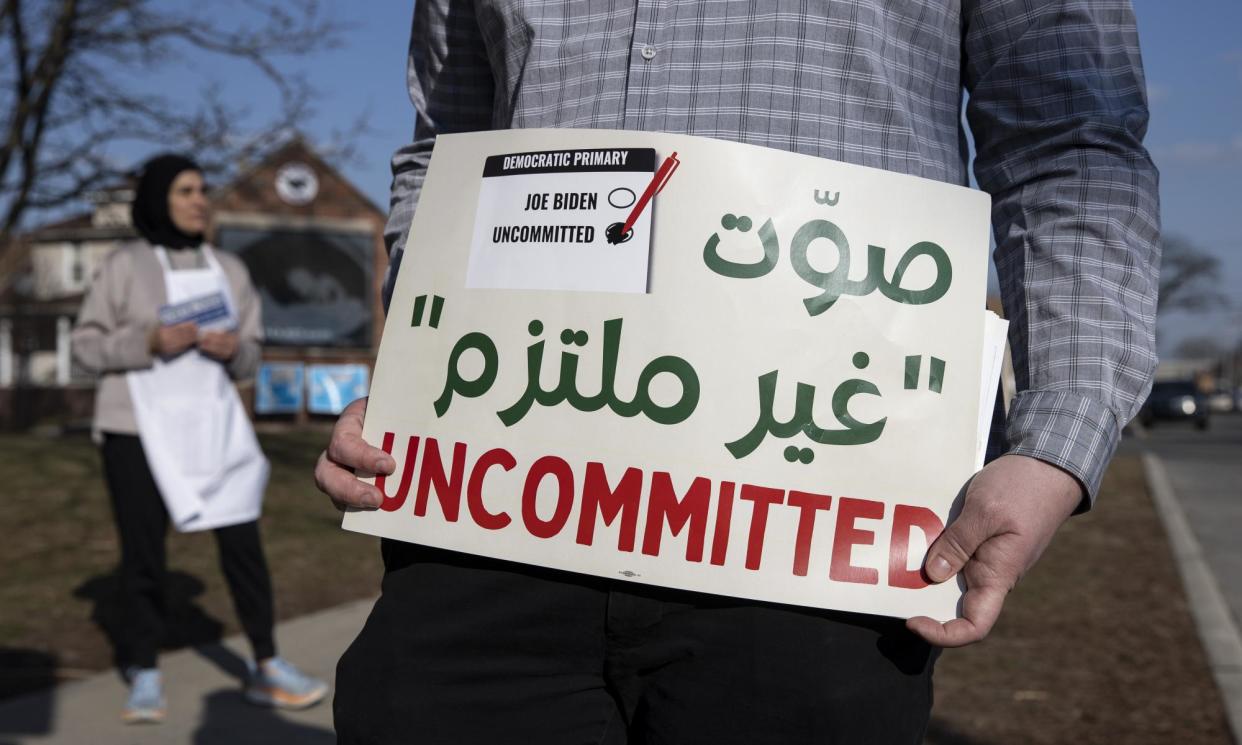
[(940, 732), (26, 671), (22, 671), (229, 720), (187, 624)]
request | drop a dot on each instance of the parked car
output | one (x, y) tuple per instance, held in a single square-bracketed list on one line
[(1175, 400), (1221, 401)]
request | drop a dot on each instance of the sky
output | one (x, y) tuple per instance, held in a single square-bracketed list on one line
[(1192, 55)]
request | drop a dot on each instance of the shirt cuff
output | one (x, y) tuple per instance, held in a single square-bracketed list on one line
[(128, 348), (245, 362), (1069, 430)]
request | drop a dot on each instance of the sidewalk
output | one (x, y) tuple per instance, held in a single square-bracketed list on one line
[(1218, 629), (203, 687)]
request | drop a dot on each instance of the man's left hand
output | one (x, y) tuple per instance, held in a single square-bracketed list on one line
[(1012, 509), (218, 345)]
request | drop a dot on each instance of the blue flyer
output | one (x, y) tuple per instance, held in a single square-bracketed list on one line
[(278, 388), (333, 387), (209, 311)]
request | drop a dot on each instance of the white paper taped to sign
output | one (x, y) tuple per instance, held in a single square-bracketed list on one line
[(788, 414), (554, 220)]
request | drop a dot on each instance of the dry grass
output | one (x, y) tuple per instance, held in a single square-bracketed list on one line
[(1096, 645), (60, 552)]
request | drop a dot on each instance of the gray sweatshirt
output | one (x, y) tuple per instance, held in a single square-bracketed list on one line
[(112, 334)]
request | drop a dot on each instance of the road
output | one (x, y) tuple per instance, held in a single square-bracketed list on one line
[(1205, 469)]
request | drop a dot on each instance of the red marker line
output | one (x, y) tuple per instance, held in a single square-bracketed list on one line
[(657, 184)]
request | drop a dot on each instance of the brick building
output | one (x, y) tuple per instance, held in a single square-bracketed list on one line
[(314, 246)]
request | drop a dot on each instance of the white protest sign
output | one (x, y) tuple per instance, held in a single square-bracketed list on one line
[(788, 414)]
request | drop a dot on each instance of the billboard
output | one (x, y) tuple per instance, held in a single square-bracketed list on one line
[(315, 283)]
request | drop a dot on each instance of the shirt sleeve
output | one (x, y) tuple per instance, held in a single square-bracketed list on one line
[(104, 339), (451, 86), (245, 362), (1057, 105)]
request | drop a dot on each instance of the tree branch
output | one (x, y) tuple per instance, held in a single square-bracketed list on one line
[(71, 98), (46, 75)]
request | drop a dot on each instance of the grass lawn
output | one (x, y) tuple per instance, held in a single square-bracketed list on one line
[(1096, 645), (59, 555)]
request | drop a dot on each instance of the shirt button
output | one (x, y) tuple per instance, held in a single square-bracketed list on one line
[(648, 53)]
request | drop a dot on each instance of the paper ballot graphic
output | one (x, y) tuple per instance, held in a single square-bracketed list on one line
[(551, 221)]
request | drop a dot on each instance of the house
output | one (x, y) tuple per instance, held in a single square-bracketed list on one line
[(312, 241)]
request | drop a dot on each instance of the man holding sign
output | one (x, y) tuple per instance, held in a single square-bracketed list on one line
[(471, 649)]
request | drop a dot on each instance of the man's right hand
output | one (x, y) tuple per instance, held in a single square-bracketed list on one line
[(170, 341), (347, 453)]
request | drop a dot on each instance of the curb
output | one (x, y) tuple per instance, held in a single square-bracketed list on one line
[(1217, 630)]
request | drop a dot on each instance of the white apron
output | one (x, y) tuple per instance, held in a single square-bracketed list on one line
[(197, 438)]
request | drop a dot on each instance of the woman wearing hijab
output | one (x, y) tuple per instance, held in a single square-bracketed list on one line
[(168, 324)]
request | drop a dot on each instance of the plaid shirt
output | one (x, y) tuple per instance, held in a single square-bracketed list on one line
[(1056, 104)]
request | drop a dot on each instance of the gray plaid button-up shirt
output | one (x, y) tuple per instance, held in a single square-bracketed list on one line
[(1055, 101)]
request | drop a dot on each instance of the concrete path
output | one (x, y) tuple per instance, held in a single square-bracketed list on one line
[(1196, 482), (203, 686), (1205, 470)]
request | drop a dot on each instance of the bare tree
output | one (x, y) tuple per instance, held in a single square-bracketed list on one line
[(1189, 277), (66, 88)]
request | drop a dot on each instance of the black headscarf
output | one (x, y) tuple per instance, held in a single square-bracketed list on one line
[(150, 207)]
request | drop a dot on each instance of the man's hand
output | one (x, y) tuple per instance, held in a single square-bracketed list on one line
[(334, 473), (170, 341), (218, 345), (1012, 509)]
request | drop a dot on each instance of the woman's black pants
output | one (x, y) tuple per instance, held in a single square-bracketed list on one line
[(142, 526)]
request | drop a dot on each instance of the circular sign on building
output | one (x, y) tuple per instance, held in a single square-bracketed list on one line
[(296, 183)]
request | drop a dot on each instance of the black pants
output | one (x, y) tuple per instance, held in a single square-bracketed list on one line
[(462, 649), (142, 526)]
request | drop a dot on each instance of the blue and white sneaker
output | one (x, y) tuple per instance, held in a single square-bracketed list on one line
[(146, 697), (277, 683)]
